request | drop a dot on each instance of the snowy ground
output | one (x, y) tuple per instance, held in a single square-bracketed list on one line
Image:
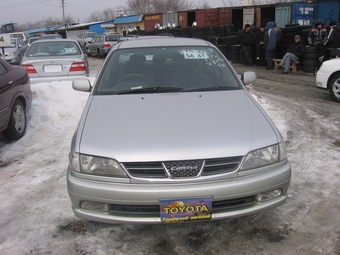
[(36, 215)]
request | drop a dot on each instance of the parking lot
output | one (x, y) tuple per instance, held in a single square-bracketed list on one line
[(36, 213)]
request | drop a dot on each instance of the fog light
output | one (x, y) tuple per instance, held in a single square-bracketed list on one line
[(94, 206), (269, 195)]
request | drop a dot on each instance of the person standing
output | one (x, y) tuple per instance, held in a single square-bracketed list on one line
[(270, 44), (278, 37), (331, 41), (247, 41), (294, 53), (259, 39)]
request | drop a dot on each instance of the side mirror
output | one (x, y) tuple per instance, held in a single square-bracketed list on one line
[(248, 77), (81, 84)]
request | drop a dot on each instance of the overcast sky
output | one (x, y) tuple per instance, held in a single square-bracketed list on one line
[(23, 11)]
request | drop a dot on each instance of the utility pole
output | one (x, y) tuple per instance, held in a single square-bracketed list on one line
[(63, 6)]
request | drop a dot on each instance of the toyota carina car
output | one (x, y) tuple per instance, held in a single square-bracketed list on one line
[(169, 134)]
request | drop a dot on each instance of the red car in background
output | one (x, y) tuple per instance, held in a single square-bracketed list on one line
[(15, 100)]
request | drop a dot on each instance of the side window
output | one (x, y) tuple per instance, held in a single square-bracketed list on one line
[(3, 69), (20, 42)]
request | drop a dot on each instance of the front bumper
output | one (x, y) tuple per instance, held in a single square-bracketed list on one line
[(148, 195), (322, 79)]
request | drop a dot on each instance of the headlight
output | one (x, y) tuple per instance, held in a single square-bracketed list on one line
[(264, 156), (12, 53), (95, 165)]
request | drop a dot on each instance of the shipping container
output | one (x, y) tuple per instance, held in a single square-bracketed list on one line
[(282, 15), (303, 14), (237, 18), (224, 16), (327, 11), (170, 19), (151, 20), (264, 14), (248, 16), (186, 18)]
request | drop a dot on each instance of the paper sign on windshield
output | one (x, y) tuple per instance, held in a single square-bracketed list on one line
[(5, 40), (195, 54)]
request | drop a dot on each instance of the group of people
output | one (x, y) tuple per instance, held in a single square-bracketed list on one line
[(268, 38)]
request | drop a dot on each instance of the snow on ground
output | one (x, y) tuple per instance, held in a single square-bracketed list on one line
[(36, 215)]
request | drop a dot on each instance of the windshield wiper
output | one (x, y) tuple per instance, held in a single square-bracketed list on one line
[(213, 88), (150, 90)]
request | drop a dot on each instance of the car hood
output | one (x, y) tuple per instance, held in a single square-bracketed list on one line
[(174, 126)]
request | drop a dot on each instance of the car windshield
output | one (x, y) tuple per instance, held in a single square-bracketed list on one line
[(161, 70), (17, 36), (166, 69), (53, 48)]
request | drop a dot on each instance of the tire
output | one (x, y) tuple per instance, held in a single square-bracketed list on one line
[(311, 49), (311, 56), (99, 54), (19, 60), (311, 63), (88, 52), (309, 69), (334, 88), (17, 123)]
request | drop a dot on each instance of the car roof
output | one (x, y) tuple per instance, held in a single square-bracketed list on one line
[(159, 41)]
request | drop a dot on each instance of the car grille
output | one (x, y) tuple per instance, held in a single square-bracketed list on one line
[(154, 210), (182, 169)]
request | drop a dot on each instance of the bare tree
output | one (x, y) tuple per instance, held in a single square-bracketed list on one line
[(48, 22), (106, 14), (140, 6), (202, 5), (155, 6), (231, 3)]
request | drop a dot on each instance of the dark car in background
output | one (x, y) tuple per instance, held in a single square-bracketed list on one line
[(15, 100), (100, 45)]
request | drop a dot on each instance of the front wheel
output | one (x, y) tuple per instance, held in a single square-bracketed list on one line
[(17, 123), (88, 52), (99, 53), (334, 88)]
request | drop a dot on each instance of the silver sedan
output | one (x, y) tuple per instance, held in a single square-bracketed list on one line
[(170, 134), (55, 60)]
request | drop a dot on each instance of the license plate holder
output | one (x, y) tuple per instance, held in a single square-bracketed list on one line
[(53, 68), (185, 209)]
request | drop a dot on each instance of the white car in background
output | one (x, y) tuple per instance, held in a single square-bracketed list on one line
[(328, 77)]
